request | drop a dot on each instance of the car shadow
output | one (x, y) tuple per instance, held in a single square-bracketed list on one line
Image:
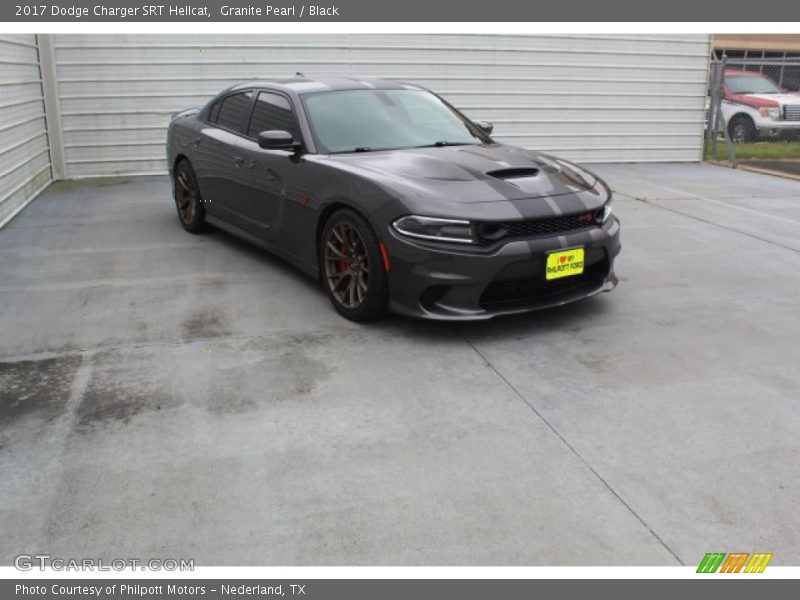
[(569, 319), (260, 255)]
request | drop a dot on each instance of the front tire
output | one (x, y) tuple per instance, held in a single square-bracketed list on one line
[(352, 268), (791, 136), (188, 200), (742, 129)]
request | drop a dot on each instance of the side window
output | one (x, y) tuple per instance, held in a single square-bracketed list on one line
[(213, 114), (234, 111), (273, 111)]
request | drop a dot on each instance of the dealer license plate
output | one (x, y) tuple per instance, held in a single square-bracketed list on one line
[(564, 263)]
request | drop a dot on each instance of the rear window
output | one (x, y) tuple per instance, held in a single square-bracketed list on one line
[(233, 111)]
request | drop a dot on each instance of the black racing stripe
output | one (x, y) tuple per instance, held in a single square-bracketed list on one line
[(506, 190), (571, 203)]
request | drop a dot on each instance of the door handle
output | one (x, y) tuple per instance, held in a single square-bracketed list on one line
[(238, 160)]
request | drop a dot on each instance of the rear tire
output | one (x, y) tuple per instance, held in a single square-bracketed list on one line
[(742, 129), (188, 200), (352, 269)]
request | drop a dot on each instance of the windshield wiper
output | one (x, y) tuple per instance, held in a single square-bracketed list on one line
[(434, 145), (443, 143)]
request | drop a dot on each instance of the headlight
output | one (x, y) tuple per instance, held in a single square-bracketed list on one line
[(770, 112), (433, 228), (604, 214)]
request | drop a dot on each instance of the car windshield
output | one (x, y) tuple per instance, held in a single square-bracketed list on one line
[(366, 120), (751, 84)]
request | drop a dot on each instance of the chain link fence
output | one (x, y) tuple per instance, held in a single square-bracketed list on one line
[(753, 112)]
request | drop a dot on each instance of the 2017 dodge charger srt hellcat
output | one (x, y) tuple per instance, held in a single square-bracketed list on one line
[(393, 199)]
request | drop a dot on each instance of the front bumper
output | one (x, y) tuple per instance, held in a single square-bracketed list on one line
[(770, 126), (778, 126), (452, 282)]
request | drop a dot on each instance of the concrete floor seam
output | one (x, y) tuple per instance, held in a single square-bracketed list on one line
[(116, 283), (60, 433), (727, 197), (572, 449), (93, 351), (721, 202), (706, 221)]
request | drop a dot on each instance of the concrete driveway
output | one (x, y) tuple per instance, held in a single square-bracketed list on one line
[(170, 395)]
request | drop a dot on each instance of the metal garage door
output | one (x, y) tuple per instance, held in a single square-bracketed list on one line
[(24, 157), (590, 98)]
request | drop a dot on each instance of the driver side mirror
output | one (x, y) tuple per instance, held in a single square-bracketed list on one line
[(277, 139), (484, 126)]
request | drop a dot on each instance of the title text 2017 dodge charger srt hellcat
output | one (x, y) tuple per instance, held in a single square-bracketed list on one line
[(393, 198)]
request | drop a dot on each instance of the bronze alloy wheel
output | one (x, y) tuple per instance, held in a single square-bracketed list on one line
[(187, 198), (347, 268)]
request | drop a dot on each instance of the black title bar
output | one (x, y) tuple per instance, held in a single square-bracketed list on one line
[(407, 10), (702, 587)]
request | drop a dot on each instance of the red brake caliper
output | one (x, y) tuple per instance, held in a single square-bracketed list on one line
[(343, 263)]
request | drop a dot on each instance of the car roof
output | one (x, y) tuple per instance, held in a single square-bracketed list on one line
[(305, 85)]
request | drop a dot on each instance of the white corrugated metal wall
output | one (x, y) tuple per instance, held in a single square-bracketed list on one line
[(586, 97), (24, 156)]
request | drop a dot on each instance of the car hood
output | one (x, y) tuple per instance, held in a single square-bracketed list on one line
[(471, 174), (771, 99)]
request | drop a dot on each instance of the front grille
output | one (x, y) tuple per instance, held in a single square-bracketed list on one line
[(492, 231), (538, 290), (791, 112)]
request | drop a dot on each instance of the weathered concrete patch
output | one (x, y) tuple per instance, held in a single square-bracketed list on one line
[(121, 388), (73, 185), (35, 387), (205, 322), (379, 446), (266, 374)]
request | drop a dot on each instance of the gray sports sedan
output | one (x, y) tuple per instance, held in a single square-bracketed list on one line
[(393, 199)]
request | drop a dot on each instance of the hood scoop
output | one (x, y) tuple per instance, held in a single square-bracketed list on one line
[(513, 173), (525, 179)]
